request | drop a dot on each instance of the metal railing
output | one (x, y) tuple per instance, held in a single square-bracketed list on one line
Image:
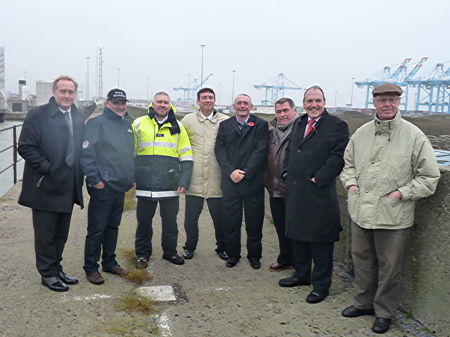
[(16, 158)]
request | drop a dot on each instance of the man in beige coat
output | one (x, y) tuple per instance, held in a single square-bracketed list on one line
[(389, 164), (202, 127)]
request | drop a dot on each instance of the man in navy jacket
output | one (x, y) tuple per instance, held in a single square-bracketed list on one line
[(107, 160), (241, 151)]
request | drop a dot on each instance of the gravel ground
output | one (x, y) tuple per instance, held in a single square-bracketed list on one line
[(212, 300)]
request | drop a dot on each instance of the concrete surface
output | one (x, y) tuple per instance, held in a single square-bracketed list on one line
[(212, 301)]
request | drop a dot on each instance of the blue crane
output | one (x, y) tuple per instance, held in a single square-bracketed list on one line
[(398, 77), (275, 88), (433, 91), (190, 89)]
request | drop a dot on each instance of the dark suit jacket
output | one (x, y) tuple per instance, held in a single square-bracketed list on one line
[(48, 183), (312, 209), (245, 150)]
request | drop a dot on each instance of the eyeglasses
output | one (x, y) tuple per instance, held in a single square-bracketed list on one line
[(387, 100)]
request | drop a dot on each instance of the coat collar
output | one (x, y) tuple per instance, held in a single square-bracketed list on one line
[(304, 120), (386, 126), (54, 109), (201, 117)]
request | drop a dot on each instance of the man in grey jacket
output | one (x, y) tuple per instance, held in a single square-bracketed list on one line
[(389, 164)]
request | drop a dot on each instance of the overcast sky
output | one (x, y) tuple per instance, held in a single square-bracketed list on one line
[(324, 42)]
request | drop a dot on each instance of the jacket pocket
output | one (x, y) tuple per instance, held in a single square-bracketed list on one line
[(390, 211), (352, 204)]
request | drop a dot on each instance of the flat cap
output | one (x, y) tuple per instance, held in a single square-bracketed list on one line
[(387, 89)]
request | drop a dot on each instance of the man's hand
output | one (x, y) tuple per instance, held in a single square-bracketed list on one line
[(352, 188), (237, 175), (395, 195), (100, 185), (180, 190)]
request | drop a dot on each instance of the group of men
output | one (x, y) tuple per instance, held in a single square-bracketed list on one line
[(386, 165)]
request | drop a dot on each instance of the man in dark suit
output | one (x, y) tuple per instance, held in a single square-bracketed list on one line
[(241, 150), (314, 159), (50, 143)]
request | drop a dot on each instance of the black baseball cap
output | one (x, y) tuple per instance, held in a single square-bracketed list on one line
[(116, 95)]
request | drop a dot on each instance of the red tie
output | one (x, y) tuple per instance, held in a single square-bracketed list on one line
[(309, 127)]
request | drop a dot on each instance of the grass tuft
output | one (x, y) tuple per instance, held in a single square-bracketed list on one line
[(129, 255), (134, 301), (138, 276), (131, 326)]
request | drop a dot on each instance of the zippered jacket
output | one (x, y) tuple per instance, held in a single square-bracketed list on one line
[(383, 156), (107, 153), (163, 160), (206, 173)]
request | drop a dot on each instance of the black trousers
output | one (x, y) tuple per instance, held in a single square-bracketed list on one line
[(322, 256), (278, 210), (145, 211), (104, 215), (253, 206), (194, 206), (50, 235)]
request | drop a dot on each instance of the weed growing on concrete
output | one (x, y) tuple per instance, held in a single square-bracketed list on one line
[(129, 255), (131, 326), (138, 276), (134, 301)]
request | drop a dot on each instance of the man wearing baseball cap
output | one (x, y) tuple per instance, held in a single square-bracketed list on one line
[(107, 160), (389, 164)]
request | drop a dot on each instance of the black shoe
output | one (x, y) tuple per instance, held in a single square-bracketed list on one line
[(54, 283), (188, 254), (351, 311), (141, 263), (66, 278), (254, 262), (381, 325), (222, 254), (231, 262), (315, 297), (176, 259), (293, 282)]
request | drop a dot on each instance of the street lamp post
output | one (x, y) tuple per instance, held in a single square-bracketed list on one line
[(87, 78), (148, 80), (201, 72), (351, 97), (118, 77), (232, 88)]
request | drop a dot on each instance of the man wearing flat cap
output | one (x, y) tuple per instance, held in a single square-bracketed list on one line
[(389, 164), (107, 160)]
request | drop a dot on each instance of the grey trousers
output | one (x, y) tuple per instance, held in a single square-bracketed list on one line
[(377, 256)]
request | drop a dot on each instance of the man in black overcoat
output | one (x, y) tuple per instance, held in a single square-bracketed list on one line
[(241, 151), (314, 159), (50, 143)]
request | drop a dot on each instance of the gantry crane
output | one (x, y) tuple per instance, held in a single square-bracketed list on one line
[(275, 88), (190, 90)]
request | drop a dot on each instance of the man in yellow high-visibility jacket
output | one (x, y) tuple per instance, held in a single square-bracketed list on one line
[(163, 170)]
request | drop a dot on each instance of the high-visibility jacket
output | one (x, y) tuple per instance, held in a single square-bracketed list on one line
[(163, 160)]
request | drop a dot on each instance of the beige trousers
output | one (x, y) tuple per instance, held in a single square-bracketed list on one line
[(377, 256)]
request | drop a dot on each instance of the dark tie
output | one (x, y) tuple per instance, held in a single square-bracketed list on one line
[(70, 152), (309, 127)]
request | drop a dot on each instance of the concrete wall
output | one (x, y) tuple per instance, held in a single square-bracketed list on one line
[(426, 270)]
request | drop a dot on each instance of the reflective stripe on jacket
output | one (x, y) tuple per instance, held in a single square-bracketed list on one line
[(163, 159)]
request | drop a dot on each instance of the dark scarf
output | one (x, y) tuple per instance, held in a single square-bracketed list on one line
[(175, 128)]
